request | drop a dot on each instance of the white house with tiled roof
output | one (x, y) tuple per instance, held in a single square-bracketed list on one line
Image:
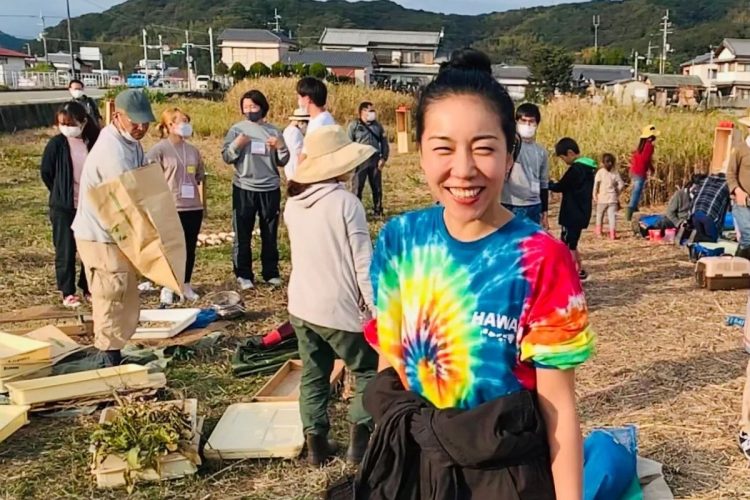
[(725, 70), (10, 62)]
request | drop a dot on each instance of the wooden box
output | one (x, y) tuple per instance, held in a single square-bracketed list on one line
[(284, 384), (110, 472), (724, 139), (17, 350), (257, 430), (723, 273), (12, 418), (75, 385)]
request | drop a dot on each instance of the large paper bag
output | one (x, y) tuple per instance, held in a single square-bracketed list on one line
[(138, 211)]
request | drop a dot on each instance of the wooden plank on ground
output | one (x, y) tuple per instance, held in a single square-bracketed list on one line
[(37, 313)]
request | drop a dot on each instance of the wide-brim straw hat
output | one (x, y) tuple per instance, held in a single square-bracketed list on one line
[(649, 131), (330, 154), (299, 115), (745, 120)]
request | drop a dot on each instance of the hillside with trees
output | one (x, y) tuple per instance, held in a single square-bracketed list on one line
[(509, 37)]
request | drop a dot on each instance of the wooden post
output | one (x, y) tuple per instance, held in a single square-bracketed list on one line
[(109, 110)]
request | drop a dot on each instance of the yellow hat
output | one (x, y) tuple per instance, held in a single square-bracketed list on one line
[(330, 154), (649, 131)]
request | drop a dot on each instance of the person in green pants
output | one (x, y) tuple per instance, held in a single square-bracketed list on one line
[(330, 294)]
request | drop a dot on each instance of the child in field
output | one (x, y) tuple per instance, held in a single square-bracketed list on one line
[(577, 188), (607, 188)]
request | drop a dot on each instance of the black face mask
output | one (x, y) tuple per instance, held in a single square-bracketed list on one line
[(254, 116)]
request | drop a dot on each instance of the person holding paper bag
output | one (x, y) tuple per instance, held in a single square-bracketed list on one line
[(184, 170), (257, 150), (112, 278)]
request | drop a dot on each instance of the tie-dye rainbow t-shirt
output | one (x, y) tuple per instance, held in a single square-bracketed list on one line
[(464, 323)]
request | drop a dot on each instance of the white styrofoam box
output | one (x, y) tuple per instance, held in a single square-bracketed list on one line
[(257, 430), (180, 319)]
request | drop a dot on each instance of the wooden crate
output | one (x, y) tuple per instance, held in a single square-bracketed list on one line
[(15, 351), (284, 385), (725, 138), (12, 418), (76, 385), (110, 472)]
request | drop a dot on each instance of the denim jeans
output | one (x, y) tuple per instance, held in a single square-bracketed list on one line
[(531, 212), (638, 184), (742, 222)]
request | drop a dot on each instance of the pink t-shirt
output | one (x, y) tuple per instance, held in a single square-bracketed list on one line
[(78, 154)]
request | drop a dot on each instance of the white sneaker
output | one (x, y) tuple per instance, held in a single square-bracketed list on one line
[(167, 296), (189, 294), (274, 282), (245, 284), (72, 302)]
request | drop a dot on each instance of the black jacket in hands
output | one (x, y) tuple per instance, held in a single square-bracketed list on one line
[(577, 188), (497, 450), (57, 173)]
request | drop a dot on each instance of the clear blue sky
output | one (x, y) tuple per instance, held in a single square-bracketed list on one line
[(29, 27)]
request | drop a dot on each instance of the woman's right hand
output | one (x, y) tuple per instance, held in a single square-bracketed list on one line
[(241, 141)]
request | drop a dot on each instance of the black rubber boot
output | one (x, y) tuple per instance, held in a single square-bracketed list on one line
[(112, 358), (319, 450), (743, 252), (360, 438)]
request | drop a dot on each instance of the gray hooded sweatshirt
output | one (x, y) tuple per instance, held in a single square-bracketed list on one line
[(331, 254)]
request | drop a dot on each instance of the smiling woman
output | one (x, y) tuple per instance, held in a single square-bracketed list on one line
[(478, 312)]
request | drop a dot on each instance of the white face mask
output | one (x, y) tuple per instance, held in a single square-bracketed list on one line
[(70, 131), (371, 116), (526, 131), (126, 135), (183, 129), (76, 93)]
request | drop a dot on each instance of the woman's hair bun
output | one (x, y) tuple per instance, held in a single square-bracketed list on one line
[(468, 59)]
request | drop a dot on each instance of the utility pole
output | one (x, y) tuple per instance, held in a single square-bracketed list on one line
[(161, 57), (42, 35), (664, 44), (596, 22), (710, 76), (187, 56), (145, 52), (638, 58), (275, 23), (211, 51), (70, 44), (648, 53)]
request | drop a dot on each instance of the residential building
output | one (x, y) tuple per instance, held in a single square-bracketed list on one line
[(515, 79), (10, 62), (356, 65), (661, 90), (725, 71), (588, 74), (403, 56), (248, 46)]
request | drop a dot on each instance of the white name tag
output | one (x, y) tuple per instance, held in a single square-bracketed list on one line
[(187, 191), (257, 148)]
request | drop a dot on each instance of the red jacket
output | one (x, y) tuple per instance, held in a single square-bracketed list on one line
[(640, 163)]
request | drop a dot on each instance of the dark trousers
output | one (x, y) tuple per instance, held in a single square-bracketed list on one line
[(318, 349), (369, 171), (191, 225), (65, 253), (246, 206)]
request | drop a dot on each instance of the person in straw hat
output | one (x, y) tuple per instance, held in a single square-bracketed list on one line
[(330, 294), (641, 166), (294, 136)]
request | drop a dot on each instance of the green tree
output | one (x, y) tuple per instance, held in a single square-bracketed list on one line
[(280, 69), (237, 72), (222, 69), (301, 69), (258, 69), (551, 70), (318, 70)]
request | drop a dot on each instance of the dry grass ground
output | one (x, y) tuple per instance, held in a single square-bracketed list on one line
[(665, 361)]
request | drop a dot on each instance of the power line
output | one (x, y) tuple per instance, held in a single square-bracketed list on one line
[(96, 43)]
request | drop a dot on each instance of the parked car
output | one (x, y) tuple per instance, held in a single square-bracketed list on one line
[(137, 80), (115, 81), (203, 82)]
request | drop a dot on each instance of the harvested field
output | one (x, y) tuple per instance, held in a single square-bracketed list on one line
[(665, 361)]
